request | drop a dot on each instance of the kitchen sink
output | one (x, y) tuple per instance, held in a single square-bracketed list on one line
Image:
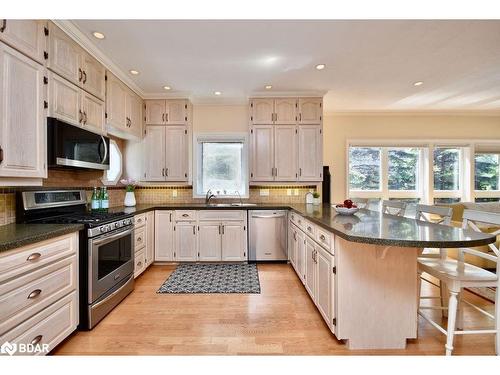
[(232, 204)]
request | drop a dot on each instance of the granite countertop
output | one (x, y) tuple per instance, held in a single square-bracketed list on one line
[(17, 235), (365, 226)]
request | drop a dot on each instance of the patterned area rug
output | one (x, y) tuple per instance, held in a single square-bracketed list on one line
[(213, 278), (486, 293)]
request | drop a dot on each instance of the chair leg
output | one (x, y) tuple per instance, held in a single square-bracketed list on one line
[(497, 321), (443, 292), (452, 315), (460, 312)]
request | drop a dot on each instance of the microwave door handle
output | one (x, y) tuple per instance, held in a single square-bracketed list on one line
[(105, 150)]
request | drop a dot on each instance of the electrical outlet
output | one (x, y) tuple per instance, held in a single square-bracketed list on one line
[(288, 191), (264, 192), (174, 193), (295, 191)]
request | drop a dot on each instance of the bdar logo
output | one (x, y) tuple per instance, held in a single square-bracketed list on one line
[(8, 348)]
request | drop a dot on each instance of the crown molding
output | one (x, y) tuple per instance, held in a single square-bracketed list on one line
[(288, 94), (86, 43), (488, 113)]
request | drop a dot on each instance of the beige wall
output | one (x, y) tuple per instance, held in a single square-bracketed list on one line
[(338, 129), (220, 118)]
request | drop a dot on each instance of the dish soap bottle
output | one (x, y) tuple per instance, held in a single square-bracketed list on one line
[(104, 199), (94, 202)]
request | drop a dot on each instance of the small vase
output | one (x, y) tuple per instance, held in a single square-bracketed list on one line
[(129, 199), (316, 201)]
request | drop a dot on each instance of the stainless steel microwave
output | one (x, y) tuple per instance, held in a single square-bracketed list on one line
[(70, 146)]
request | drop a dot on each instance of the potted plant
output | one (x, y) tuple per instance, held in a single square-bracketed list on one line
[(316, 198), (129, 195)]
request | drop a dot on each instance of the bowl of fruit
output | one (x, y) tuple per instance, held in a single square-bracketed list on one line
[(346, 208)]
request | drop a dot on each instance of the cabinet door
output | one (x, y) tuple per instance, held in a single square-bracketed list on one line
[(209, 241), (262, 153), (262, 111), (310, 149), (134, 113), (291, 245), (26, 36), (22, 116), (64, 55), (176, 153), (176, 112), (156, 112), (150, 238), (185, 242), (310, 271), (301, 255), (310, 110), (116, 102), (325, 284), (163, 236), (285, 152), (285, 111), (154, 153), (93, 113), (234, 244), (93, 76), (64, 100)]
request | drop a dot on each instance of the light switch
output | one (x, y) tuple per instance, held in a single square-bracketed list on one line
[(174, 193), (264, 192)]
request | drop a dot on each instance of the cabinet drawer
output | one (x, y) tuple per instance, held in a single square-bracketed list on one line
[(219, 215), (139, 263), (301, 222), (28, 258), (294, 218), (324, 238), (310, 229), (185, 215), (139, 238), (140, 220), (26, 295), (49, 327)]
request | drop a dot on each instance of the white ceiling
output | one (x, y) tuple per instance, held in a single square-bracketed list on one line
[(371, 65)]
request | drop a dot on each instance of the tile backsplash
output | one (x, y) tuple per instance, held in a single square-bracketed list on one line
[(148, 195)]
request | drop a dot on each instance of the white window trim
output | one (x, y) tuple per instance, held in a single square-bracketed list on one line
[(483, 193), (219, 137), (104, 179)]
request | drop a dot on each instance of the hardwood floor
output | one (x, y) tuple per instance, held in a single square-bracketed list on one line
[(280, 320)]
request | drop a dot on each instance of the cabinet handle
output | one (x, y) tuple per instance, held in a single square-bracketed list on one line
[(84, 77), (223, 229), (170, 217), (80, 116), (166, 117), (194, 229), (163, 171), (185, 215), (163, 117), (33, 256), (219, 229), (300, 116), (34, 294), (166, 172), (85, 118), (1, 155), (80, 75), (36, 340), (300, 171), (4, 25)]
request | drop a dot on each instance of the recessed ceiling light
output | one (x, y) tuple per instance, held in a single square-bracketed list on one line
[(98, 35), (167, 87), (419, 83), (217, 93), (134, 72), (320, 66), (269, 87)]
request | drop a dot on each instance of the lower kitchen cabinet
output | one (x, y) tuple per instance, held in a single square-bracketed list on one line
[(186, 244), (292, 246), (209, 241), (149, 254), (301, 255), (234, 241), (163, 236), (325, 284), (310, 267)]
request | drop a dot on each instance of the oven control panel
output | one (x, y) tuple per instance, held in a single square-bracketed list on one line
[(105, 228)]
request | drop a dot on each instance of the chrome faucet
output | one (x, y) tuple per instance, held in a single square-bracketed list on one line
[(209, 196), (239, 195)]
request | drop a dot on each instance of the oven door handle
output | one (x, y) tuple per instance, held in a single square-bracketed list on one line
[(112, 237), (105, 300)]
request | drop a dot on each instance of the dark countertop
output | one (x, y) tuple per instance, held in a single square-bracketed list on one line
[(365, 226), (17, 235)]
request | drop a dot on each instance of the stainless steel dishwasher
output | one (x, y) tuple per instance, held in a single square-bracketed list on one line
[(267, 235)]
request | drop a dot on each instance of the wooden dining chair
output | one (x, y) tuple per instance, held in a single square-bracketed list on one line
[(457, 274), (393, 207)]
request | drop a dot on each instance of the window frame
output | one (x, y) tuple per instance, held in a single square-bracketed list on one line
[(198, 140), (461, 175), (484, 193), (104, 178)]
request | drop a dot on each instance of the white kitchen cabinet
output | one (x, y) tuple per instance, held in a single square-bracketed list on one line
[(310, 152), (325, 285), (167, 112), (310, 268), (301, 255), (26, 36), (154, 153), (176, 153), (209, 241), (310, 110), (163, 236), (292, 245), (134, 108), (186, 244), (262, 139), (234, 241), (93, 75), (149, 251), (93, 113), (262, 111), (116, 102), (285, 110), (285, 153), (22, 116)]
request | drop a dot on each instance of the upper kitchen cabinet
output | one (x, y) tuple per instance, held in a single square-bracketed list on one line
[(22, 116), (124, 109), (70, 61), (167, 112), (26, 36), (264, 111), (310, 152), (310, 110)]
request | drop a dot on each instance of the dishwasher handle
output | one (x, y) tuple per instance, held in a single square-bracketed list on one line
[(268, 216)]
